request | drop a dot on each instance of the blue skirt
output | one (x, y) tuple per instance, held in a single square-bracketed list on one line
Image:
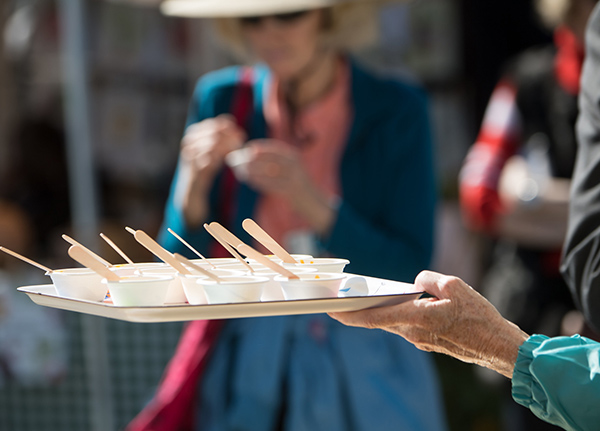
[(311, 373)]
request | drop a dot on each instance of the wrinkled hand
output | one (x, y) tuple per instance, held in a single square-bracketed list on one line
[(458, 322)]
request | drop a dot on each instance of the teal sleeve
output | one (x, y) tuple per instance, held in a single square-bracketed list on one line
[(558, 379)]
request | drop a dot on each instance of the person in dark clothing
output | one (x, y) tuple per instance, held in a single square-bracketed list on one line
[(581, 253)]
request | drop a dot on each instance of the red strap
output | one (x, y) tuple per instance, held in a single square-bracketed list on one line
[(568, 60), (241, 109), (173, 406)]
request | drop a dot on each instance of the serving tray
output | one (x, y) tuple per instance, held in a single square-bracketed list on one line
[(381, 292)]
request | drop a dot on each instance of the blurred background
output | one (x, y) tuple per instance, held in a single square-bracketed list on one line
[(93, 98)]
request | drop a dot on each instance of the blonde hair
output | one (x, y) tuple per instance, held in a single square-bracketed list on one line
[(348, 27)]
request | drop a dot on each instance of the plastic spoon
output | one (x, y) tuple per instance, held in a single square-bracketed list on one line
[(259, 234), (184, 242), (25, 259), (198, 268), (81, 255), (73, 242), (118, 250), (224, 243), (261, 258), (155, 248)]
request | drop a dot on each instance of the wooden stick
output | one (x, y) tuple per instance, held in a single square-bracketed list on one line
[(250, 252), (226, 234), (184, 242), (81, 255), (227, 246), (73, 242), (265, 239), (155, 248), (118, 250), (25, 259), (198, 268)]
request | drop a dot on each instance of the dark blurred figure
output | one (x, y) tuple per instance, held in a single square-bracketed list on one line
[(37, 179), (514, 185)]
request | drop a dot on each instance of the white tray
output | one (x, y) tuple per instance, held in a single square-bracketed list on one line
[(381, 292)]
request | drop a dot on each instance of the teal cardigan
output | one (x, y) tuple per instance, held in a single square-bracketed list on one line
[(386, 217)]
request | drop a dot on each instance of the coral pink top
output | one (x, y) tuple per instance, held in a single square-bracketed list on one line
[(321, 132)]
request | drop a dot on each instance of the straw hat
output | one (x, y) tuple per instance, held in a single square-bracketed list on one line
[(240, 8)]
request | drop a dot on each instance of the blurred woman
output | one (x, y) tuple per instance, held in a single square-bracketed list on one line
[(339, 162)]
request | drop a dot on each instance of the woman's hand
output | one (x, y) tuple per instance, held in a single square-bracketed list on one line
[(458, 322), (205, 144), (275, 167), (203, 150)]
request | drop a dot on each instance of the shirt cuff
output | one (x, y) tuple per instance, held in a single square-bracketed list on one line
[(522, 382)]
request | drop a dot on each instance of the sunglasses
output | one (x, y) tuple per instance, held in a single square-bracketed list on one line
[(281, 18)]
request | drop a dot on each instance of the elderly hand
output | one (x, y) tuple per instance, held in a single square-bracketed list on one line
[(276, 167), (458, 322)]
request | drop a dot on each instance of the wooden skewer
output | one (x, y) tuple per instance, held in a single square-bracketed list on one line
[(224, 243), (261, 258), (226, 234), (25, 259), (73, 242), (118, 250), (155, 248), (259, 234), (198, 268), (184, 242), (81, 255)]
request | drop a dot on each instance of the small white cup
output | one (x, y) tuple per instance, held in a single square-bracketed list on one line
[(272, 290), (175, 294), (141, 266), (139, 291), (322, 264), (274, 258), (311, 286), (238, 161), (216, 261), (233, 289), (194, 292), (78, 283)]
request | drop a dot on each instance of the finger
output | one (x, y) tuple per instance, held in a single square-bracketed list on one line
[(226, 117), (274, 146), (439, 285), (381, 317)]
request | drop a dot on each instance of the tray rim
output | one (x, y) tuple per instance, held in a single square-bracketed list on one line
[(186, 312)]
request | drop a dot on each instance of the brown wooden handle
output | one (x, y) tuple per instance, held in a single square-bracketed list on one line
[(261, 258), (259, 234), (83, 256)]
